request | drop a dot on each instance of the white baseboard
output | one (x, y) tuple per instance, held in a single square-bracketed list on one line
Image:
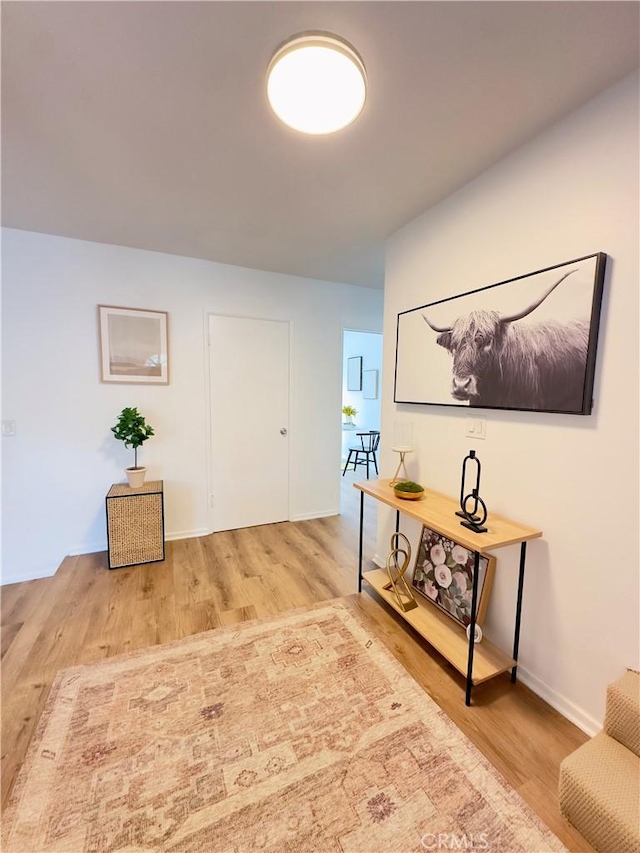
[(92, 548), (562, 705), (380, 563), (87, 548), (186, 534), (307, 516), (9, 577)]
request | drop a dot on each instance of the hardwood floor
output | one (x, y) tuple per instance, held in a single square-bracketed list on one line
[(86, 612)]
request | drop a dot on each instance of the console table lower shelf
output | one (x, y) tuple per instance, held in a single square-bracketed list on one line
[(444, 635)]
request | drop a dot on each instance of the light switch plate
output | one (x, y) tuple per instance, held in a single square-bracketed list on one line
[(476, 427), (8, 429)]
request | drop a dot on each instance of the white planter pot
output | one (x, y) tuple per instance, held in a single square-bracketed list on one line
[(136, 477)]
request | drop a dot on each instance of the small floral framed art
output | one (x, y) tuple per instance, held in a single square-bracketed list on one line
[(443, 574)]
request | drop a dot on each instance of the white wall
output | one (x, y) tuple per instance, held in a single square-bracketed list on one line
[(59, 466), (571, 192)]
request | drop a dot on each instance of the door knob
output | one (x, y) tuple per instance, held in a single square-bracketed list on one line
[(283, 431)]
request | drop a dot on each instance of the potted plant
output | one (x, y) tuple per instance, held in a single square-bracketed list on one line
[(349, 412), (408, 490), (132, 429)]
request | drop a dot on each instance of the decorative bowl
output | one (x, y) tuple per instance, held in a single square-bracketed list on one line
[(408, 496)]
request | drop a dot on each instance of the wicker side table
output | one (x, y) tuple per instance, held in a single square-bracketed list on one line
[(135, 524)]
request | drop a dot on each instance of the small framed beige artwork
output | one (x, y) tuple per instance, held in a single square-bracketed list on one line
[(134, 345)]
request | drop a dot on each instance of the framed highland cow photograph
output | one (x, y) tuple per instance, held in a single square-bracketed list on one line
[(527, 344), (443, 574)]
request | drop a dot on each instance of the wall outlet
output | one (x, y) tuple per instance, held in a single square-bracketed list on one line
[(476, 427), (8, 429)]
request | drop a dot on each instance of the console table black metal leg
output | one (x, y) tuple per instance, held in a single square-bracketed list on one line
[(397, 521), (516, 637), (360, 542), (472, 626)]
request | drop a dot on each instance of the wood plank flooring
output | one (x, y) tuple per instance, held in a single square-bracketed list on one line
[(86, 612)]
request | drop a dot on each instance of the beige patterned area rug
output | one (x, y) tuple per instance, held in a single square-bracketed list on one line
[(294, 734)]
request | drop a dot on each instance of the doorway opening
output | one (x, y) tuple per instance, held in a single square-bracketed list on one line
[(361, 390)]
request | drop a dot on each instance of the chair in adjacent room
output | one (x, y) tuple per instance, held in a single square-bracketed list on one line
[(362, 455)]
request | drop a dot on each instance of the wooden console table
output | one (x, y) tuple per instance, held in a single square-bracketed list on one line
[(478, 662)]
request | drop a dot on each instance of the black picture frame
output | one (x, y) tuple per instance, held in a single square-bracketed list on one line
[(544, 364), (354, 373)]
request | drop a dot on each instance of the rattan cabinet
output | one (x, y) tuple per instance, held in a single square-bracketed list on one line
[(135, 524)]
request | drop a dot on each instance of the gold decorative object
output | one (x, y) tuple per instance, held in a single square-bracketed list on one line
[(407, 496), (398, 583)]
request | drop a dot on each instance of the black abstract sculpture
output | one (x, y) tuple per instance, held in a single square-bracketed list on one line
[(472, 520)]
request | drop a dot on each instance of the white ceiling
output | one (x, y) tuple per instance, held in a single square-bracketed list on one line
[(146, 124)]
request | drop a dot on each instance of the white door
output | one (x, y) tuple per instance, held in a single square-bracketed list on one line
[(249, 384)]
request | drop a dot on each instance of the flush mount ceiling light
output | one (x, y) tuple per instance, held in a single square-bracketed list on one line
[(316, 83)]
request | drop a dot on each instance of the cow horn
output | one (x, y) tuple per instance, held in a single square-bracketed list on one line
[(534, 305), (436, 328)]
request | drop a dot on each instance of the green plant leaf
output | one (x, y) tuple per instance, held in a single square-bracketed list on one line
[(131, 428)]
